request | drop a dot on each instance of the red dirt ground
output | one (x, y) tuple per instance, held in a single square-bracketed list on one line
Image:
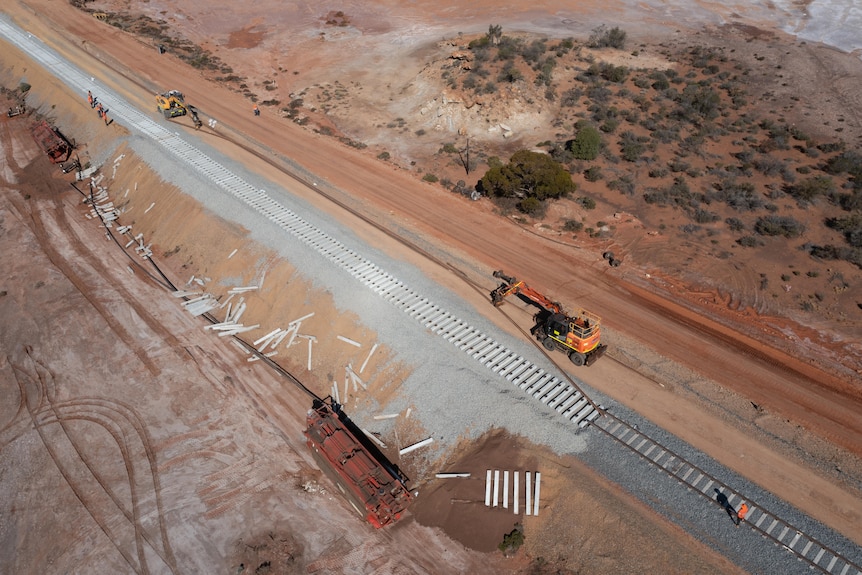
[(804, 397)]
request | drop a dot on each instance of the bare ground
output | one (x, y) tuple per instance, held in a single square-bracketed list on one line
[(792, 417)]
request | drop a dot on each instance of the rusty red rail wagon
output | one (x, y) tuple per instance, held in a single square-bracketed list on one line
[(372, 484)]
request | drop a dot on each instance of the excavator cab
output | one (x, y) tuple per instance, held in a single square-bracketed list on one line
[(578, 335), (171, 104)]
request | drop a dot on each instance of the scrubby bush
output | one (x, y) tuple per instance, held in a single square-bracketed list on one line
[(850, 227), (850, 201), (571, 97), (615, 74), (830, 252), (740, 196), (598, 93), (748, 241), (534, 51), (703, 216), (660, 81), (849, 161), (572, 226), (586, 144), (677, 194), (603, 37), (610, 125), (510, 74), (512, 540), (778, 226), (768, 165), (593, 174), (735, 224), (587, 203), (807, 190), (698, 102), (624, 184), (532, 207), (528, 175), (677, 166), (631, 148)]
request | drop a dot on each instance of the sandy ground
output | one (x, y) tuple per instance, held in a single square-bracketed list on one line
[(808, 407)]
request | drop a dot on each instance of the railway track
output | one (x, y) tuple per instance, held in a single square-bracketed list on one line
[(808, 549), (557, 392)]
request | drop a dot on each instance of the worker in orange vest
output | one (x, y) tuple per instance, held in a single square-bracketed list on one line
[(740, 515), (256, 110), (90, 98)]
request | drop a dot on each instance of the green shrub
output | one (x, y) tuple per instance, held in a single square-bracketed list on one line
[(528, 174), (429, 178), (850, 227), (512, 541), (587, 203), (593, 174), (698, 102), (532, 206), (572, 226), (807, 190), (586, 144), (609, 126), (778, 226)]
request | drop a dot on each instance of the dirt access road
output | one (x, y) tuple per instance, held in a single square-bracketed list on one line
[(793, 390)]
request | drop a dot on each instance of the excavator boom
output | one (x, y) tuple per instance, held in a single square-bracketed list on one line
[(577, 335), (511, 286)]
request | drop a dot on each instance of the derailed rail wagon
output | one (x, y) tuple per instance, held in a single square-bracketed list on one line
[(373, 485), (52, 142)]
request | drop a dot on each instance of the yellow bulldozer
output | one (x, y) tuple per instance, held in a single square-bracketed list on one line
[(173, 104)]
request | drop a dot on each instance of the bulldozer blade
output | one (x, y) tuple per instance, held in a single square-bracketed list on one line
[(596, 354)]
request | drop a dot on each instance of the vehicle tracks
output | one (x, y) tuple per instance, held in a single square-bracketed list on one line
[(52, 417)]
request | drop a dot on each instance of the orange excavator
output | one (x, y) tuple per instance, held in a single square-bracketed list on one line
[(578, 335)]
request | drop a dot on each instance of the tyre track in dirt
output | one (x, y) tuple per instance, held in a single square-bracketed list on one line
[(126, 428), (45, 240)]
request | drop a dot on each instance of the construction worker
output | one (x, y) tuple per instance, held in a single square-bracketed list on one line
[(256, 110), (90, 98), (99, 109), (105, 116), (740, 515)]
